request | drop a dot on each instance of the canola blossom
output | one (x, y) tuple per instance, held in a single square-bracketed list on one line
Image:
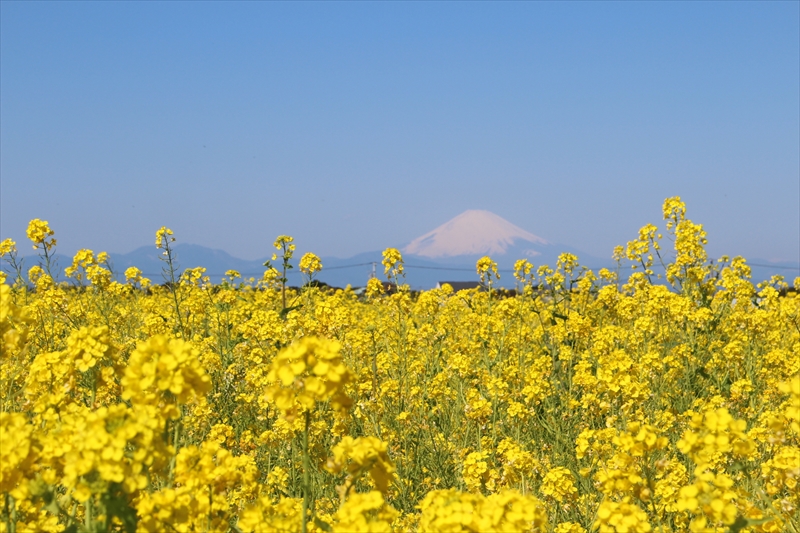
[(581, 402)]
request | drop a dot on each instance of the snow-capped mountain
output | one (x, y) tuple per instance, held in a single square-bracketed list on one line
[(461, 241), (475, 232)]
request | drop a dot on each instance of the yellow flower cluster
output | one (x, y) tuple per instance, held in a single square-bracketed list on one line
[(284, 243), (134, 276), (559, 484), (584, 402), (307, 372), (477, 473), (15, 451), (363, 455), (487, 270), (445, 511), (211, 485), (14, 324), (164, 372), (310, 264), (164, 236), (83, 369), (7, 246), (365, 512), (374, 288), (392, 263), (40, 234), (621, 517)]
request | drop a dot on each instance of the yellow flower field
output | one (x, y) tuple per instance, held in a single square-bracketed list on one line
[(581, 403)]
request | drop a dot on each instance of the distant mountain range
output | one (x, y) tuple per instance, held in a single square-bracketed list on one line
[(447, 253)]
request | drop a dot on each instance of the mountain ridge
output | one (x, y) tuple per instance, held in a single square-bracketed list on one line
[(473, 232), (421, 272), (447, 253)]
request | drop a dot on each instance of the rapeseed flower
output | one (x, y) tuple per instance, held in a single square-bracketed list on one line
[(559, 484), (625, 405), (40, 234), (365, 513), (393, 264), (164, 237), (308, 371), (621, 517), (164, 371), (310, 264), (487, 270), (363, 456)]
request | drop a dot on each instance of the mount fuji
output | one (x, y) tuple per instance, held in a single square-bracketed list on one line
[(476, 232), (450, 251)]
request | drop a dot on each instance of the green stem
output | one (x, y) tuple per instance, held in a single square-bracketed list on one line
[(283, 291), (172, 285), (306, 473), (210, 507), (87, 518), (11, 522), (47, 259), (173, 460)]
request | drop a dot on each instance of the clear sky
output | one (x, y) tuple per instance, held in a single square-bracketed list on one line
[(357, 126)]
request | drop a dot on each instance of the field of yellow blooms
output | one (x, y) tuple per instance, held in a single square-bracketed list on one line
[(582, 402)]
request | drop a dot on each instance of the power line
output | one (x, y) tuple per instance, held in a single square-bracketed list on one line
[(290, 272), (347, 266), (446, 268), (773, 266), (453, 269), (506, 270)]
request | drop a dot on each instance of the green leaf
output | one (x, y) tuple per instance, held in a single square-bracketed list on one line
[(740, 523), (286, 310), (117, 505), (324, 526)]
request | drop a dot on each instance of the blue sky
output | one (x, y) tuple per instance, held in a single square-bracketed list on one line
[(356, 126)]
